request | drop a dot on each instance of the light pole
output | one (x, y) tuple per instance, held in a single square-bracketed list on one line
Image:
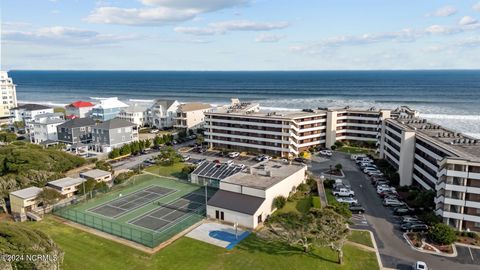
[(206, 201)]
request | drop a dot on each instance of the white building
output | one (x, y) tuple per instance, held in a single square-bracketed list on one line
[(435, 158), (243, 127), (192, 115), (107, 109), (27, 112), (43, 127), (134, 114), (78, 109), (247, 197), (8, 96), (162, 114)]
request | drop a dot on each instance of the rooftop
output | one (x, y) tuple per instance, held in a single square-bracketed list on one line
[(264, 175), (32, 107), (66, 182), (114, 123), (215, 171), (236, 202), (457, 143), (78, 122), (194, 106), (81, 104), (27, 193), (110, 103), (95, 173)]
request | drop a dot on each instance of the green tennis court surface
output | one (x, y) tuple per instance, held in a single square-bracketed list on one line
[(149, 211)]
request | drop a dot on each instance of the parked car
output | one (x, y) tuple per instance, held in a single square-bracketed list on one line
[(401, 211), (241, 166), (301, 160), (419, 265), (356, 208), (414, 227), (186, 157), (229, 162), (393, 202), (375, 173), (343, 192), (233, 154), (410, 219), (348, 200), (259, 157), (327, 153)]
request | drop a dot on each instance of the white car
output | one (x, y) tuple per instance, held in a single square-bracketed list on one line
[(241, 166), (370, 169), (393, 202), (327, 153), (348, 200), (419, 265), (186, 157), (234, 154), (343, 192), (229, 162)]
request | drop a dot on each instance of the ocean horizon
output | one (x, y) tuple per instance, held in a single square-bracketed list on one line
[(447, 97)]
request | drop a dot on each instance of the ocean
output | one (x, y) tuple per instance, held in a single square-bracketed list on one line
[(450, 98)]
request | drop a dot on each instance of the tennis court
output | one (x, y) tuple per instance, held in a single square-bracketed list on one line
[(149, 211), (125, 204)]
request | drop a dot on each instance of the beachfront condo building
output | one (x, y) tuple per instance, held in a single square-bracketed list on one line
[(43, 128), (135, 114), (107, 109), (78, 109), (243, 127), (8, 96), (162, 113), (191, 116), (113, 133), (437, 159)]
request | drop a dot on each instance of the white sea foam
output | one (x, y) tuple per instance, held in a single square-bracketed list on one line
[(46, 103), (142, 100)]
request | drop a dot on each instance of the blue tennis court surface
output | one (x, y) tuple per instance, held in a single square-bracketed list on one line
[(229, 237), (218, 234)]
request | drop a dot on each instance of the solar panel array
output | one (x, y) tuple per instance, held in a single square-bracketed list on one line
[(216, 171)]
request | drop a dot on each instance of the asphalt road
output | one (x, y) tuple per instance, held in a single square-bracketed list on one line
[(394, 251)]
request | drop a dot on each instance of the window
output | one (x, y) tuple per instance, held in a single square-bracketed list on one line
[(477, 224), (217, 214)]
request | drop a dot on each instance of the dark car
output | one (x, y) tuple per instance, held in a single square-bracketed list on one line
[(356, 209), (301, 160), (414, 227), (401, 211)]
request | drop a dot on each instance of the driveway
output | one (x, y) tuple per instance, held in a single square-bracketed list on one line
[(394, 250)]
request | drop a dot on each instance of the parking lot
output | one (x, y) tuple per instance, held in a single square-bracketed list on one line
[(394, 250)]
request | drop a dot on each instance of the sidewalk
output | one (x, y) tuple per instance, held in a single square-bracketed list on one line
[(321, 192)]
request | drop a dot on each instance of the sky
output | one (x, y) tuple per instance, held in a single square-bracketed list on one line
[(239, 34)]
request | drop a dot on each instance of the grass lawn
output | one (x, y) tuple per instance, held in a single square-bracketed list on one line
[(361, 237), (316, 202), (330, 198), (301, 205), (174, 170), (87, 251)]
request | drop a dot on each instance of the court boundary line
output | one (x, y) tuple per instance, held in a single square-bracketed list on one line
[(130, 210)]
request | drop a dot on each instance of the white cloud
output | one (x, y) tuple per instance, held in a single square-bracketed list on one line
[(59, 35), (467, 20), (159, 12), (268, 38), (470, 42), (476, 7), (441, 29), (443, 12), (227, 26)]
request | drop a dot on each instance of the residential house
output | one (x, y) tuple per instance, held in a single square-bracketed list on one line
[(78, 109), (162, 114), (107, 109), (43, 128), (27, 112), (192, 115), (98, 175), (112, 134), (76, 133), (24, 201), (134, 114), (67, 186)]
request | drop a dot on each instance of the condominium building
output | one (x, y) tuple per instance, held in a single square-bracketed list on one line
[(8, 96), (191, 115), (162, 114), (243, 127), (438, 159)]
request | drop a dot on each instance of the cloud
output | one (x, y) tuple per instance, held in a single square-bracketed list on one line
[(59, 35), (467, 20), (443, 12), (159, 12), (470, 42), (228, 26), (268, 38), (476, 7)]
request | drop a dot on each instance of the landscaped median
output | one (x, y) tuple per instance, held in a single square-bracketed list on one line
[(87, 251)]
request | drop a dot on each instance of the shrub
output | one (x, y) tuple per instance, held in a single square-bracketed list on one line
[(303, 188), (328, 183), (279, 202), (333, 147), (102, 165), (338, 167), (188, 169), (122, 177), (430, 218), (339, 144), (312, 183), (473, 235), (442, 234), (342, 209)]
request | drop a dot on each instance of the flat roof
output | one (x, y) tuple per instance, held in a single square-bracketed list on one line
[(66, 182), (27, 193), (265, 174), (216, 171), (236, 202), (281, 115), (95, 173), (457, 143)]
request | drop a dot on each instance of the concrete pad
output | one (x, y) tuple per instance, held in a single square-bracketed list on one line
[(218, 234)]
